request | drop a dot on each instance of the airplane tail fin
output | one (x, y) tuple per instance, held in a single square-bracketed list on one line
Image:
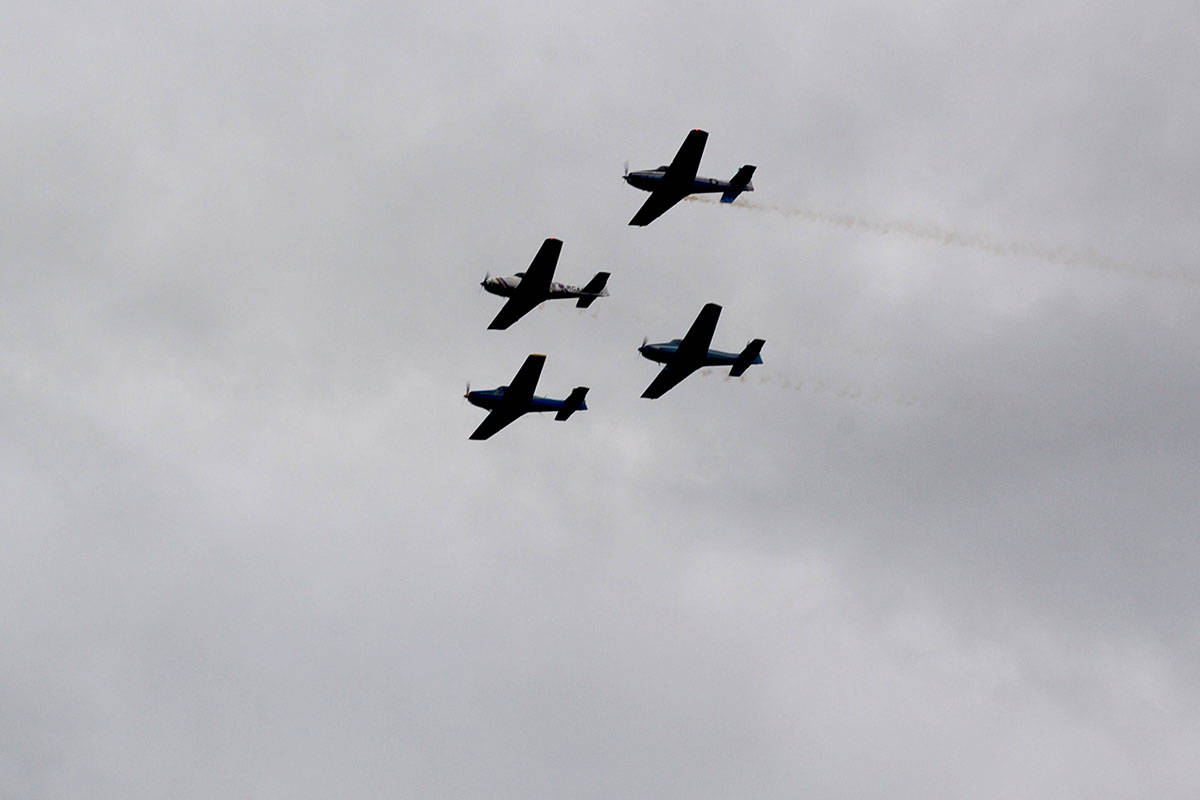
[(595, 288), (573, 403), (747, 357), (740, 183)]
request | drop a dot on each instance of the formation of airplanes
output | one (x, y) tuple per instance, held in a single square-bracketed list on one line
[(526, 290)]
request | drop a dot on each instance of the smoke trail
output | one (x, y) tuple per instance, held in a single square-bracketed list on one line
[(1062, 256), (885, 395)]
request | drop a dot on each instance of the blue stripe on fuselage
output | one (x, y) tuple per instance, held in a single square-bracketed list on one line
[(665, 351), (546, 404), (494, 398), (649, 181)]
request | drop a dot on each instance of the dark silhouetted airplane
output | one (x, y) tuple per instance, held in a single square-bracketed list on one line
[(670, 184), (527, 289), (684, 356), (506, 403)]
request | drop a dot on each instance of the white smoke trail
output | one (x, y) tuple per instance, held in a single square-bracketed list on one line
[(882, 395), (1063, 256)]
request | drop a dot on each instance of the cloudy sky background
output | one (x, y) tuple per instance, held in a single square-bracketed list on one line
[(941, 544)]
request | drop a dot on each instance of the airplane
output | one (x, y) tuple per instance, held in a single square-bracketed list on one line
[(506, 403), (527, 289), (684, 356), (670, 184)]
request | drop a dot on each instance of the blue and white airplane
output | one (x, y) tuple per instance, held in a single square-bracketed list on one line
[(670, 184), (684, 356), (507, 403), (527, 289)]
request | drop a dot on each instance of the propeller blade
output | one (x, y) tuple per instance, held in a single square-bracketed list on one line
[(626, 175)]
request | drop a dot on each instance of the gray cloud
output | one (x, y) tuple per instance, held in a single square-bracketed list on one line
[(940, 544)]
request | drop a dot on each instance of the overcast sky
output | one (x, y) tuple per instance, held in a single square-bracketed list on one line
[(942, 544)]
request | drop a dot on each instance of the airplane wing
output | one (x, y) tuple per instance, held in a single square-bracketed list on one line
[(668, 378), (494, 421), (677, 183), (696, 341), (520, 391), (516, 307), (541, 269), (534, 286), (656, 205), (687, 161)]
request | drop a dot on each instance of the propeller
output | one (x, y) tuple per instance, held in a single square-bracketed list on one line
[(468, 394), (626, 175), (645, 339)]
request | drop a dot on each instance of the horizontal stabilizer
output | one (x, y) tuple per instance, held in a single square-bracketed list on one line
[(747, 357), (595, 288), (573, 403), (739, 183)]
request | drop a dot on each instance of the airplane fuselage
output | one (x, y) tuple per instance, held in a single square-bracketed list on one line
[(650, 179), (494, 398), (507, 287), (664, 352)]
